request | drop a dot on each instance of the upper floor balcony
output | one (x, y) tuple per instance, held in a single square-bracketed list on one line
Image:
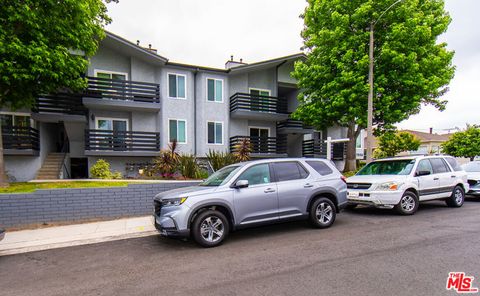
[(59, 107), (255, 106), (20, 140), (121, 143), (318, 148), (292, 126), (105, 93)]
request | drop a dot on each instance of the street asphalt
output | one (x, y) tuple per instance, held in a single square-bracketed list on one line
[(366, 252)]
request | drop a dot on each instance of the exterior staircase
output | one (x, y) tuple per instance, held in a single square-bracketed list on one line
[(51, 167)]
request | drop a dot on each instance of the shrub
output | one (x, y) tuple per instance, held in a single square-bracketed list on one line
[(101, 170), (202, 174), (116, 175), (188, 166), (167, 162), (220, 159), (243, 150)]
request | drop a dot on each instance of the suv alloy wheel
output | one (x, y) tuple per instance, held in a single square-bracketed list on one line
[(210, 228)]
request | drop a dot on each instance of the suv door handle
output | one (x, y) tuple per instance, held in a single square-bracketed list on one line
[(308, 185), (269, 190), (435, 179), (453, 176)]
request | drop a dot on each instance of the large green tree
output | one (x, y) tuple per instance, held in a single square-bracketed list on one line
[(411, 67), (43, 45), (464, 144)]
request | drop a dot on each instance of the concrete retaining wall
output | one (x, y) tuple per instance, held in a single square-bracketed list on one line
[(70, 205)]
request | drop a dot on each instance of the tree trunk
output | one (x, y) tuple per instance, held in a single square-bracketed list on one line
[(351, 159), (3, 176)]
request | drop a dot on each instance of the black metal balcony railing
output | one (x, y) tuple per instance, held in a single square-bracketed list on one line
[(257, 103), (264, 145), (318, 148), (314, 148), (108, 140), (20, 138), (123, 90), (63, 103), (292, 123)]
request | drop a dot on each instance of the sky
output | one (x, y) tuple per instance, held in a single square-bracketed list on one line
[(207, 32)]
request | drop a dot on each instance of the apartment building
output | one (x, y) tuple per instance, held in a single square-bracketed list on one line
[(137, 102)]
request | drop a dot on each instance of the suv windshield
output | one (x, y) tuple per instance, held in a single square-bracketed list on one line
[(388, 167), (221, 176), (472, 166)]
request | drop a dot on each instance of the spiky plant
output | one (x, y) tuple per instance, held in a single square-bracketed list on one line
[(243, 150), (167, 162), (220, 159), (188, 166)]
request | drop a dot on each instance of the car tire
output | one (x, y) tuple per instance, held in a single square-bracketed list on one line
[(322, 213), (210, 228), (457, 198), (408, 204)]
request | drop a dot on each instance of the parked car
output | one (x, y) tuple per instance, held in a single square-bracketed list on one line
[(2, 233), (403, 182), (473, 176), (249, 194)]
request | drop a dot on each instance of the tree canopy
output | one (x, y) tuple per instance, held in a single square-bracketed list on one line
[(411, 67), (464, 144), (392, 143), (43, 44)]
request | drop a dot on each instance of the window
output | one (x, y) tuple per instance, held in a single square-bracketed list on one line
[(15, 120), (258, 174), (110, 124), (259, 102), (176, 86), (453, 163), (177, 131), (320, 167), (259, 139), (214, 90), (221, 176), (215, 132), (424, 165), (388, 167), (110, 75), (291, 170), (439, 165)]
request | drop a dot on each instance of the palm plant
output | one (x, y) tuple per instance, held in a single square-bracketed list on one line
[(243, 150), (188, 166), (167, 162), (220, 159)]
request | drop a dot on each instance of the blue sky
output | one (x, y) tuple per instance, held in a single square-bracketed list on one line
[(207, 32)]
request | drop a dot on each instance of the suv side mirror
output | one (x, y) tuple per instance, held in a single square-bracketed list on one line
[(422, 173), (241, 184)]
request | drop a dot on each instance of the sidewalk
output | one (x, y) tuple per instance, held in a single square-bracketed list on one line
[(23, 241)]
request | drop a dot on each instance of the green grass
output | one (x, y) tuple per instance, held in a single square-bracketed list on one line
[(23, 187)]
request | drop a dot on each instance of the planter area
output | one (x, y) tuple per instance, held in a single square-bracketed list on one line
[(81, 204)]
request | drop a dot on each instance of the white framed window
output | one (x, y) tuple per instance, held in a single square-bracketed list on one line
[(110, 74), (259, 91), (258, 102), (16, 119), (215, 132), (177, 86), (177, 130), (215, 90), (111, 124)]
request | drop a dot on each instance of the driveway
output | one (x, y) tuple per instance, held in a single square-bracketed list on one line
[(367, 252)]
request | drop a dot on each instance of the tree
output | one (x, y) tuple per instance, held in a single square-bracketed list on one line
[(392, 143), (43, 44), (411, 69), (464, 144)]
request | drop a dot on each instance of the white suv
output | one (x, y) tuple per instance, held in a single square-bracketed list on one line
[(402, 182)]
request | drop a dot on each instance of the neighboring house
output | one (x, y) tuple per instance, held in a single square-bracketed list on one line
[(430, 143), (137, 102)]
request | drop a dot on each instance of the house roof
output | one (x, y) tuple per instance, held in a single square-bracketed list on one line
[(267, 63), (428, 137)]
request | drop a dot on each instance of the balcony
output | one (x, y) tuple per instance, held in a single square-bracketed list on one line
[(262, 146), (121, 143), (248, 106), (19, 140), (59, 107), (292, 126), (103, 93), (318, 149)]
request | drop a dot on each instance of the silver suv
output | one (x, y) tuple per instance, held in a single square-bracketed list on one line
[(249, 194)]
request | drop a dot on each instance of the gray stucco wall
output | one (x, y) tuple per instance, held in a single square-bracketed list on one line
[(109, 60), (284, 73), (211, 111), (70, 205)]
